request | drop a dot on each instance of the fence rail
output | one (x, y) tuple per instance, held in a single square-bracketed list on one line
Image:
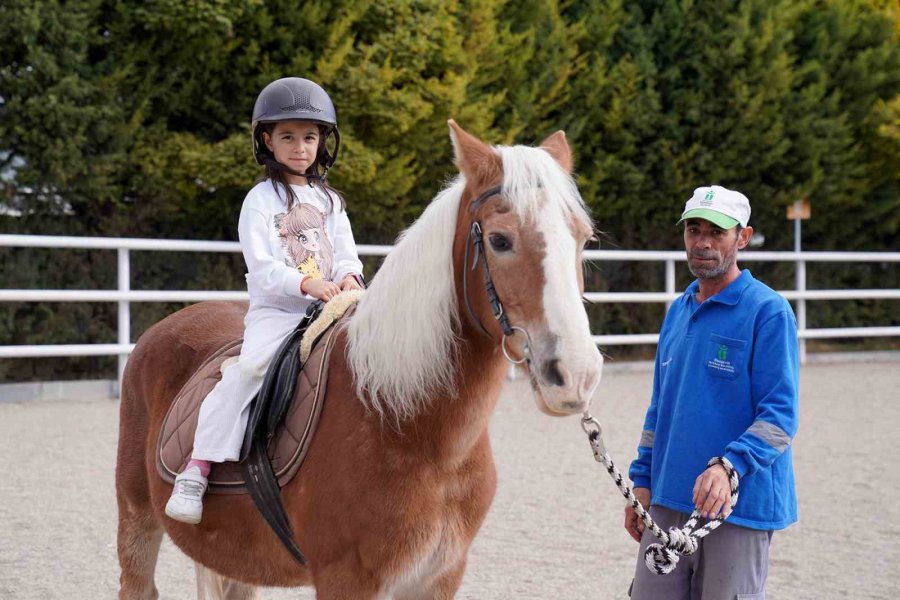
[(124, 295)]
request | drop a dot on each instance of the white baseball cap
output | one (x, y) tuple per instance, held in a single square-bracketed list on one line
[(720, 206)]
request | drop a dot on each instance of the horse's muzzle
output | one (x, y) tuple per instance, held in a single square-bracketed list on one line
[(561, 391)]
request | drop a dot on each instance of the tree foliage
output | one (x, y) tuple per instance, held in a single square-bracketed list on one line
[(128, 118)]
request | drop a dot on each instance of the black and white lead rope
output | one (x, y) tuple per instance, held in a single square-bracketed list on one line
[(663, 557)]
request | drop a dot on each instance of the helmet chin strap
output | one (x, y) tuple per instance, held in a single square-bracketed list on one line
[(274, 164), (310, 177), (328, 159)]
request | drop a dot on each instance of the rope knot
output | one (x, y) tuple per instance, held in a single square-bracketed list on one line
[(681, 541), (660, 559), (663, 559)]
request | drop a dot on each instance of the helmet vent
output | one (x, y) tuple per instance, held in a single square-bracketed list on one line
[(301, 102)]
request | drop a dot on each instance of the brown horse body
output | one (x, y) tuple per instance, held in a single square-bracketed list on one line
[(348, 483), (383, 507)]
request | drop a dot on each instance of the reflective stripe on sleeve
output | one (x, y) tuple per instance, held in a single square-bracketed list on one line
[(773, 435), (646, 438)]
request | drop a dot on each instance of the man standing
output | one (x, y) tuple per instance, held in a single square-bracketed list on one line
[(725, 384)]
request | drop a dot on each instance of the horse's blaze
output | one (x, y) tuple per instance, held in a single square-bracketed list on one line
[(566, 316)]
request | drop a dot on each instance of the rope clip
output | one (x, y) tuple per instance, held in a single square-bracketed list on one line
[(591, 427)]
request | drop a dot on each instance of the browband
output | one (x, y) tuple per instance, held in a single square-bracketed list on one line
[(484, 196)]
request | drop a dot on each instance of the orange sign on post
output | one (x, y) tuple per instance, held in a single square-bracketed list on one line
[(799, 210)]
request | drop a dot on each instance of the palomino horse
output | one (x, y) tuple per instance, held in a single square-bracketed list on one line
[(399, 476)]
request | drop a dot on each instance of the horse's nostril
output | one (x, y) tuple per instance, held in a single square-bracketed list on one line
[(551, 373)]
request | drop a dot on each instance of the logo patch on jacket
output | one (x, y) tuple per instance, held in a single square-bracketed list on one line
[(721, 362)]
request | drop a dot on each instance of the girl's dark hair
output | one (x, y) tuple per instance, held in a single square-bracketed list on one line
[(314, 174)]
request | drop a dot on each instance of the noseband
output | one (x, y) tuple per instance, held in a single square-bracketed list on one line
[(476, 237)]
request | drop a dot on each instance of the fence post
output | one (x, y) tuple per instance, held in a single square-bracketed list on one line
[(801, 307), (670, 280), (124, 337)]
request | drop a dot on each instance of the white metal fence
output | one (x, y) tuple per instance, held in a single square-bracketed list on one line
[(124, 296)]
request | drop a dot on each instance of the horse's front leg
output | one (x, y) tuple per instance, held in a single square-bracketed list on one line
[(344, 580), (443, 587)]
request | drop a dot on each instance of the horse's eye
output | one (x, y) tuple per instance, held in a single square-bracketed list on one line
[(500, 242)]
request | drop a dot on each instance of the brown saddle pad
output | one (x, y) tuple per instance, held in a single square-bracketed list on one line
[(287, 447)]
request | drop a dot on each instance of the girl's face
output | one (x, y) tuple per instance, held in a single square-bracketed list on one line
[(295, 144), (309, 239)]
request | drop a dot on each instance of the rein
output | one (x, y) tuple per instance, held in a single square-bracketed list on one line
[(663, 557), (476, 239)]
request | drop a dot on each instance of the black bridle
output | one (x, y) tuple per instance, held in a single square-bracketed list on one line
[(476, 237)]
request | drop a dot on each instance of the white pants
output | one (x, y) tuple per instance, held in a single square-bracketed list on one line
[(224, 412)]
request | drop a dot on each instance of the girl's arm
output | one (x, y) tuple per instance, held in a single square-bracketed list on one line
[(346, 259), (266, 274)]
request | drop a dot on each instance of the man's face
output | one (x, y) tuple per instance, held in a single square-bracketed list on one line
[(711, 250)]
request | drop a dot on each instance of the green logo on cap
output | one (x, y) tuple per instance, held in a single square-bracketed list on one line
[(709, 195), (722, 353)]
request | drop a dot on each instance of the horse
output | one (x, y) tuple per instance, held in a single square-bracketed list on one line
[(399, 475)]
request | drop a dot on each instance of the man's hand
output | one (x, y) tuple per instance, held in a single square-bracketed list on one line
[(634, 525), (712, 493), (320, 289)]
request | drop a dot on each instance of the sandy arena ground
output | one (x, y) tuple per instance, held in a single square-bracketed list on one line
[(555, 528)]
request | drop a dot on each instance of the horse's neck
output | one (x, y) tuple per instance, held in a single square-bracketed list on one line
[(454, 423)]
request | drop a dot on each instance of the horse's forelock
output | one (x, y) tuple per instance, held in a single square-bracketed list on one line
[(531, 177)]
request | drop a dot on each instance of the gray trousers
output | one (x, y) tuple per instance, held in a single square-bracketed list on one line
[(731, 563)]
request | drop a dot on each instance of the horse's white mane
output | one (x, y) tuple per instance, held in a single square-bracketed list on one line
[(403, 337)]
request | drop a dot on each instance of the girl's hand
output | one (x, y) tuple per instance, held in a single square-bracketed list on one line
[(350, 283), (320, 289)]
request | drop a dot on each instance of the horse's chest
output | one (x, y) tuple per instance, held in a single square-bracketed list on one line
[(441, 527), (432, 551)]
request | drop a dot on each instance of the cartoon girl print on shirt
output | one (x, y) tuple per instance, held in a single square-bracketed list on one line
[(303, 234)]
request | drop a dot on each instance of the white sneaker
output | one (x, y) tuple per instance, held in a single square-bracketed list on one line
[(186, 503)]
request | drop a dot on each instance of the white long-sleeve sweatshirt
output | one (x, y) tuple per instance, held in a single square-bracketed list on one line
[(281, 247)]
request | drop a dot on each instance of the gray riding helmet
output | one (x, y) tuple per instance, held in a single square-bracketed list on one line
[(295, 98)]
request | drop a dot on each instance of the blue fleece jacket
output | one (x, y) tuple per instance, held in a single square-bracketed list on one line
[(725, 384)]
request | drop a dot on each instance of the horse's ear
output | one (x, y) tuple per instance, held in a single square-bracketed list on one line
[(558, 147), (477, 161)]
